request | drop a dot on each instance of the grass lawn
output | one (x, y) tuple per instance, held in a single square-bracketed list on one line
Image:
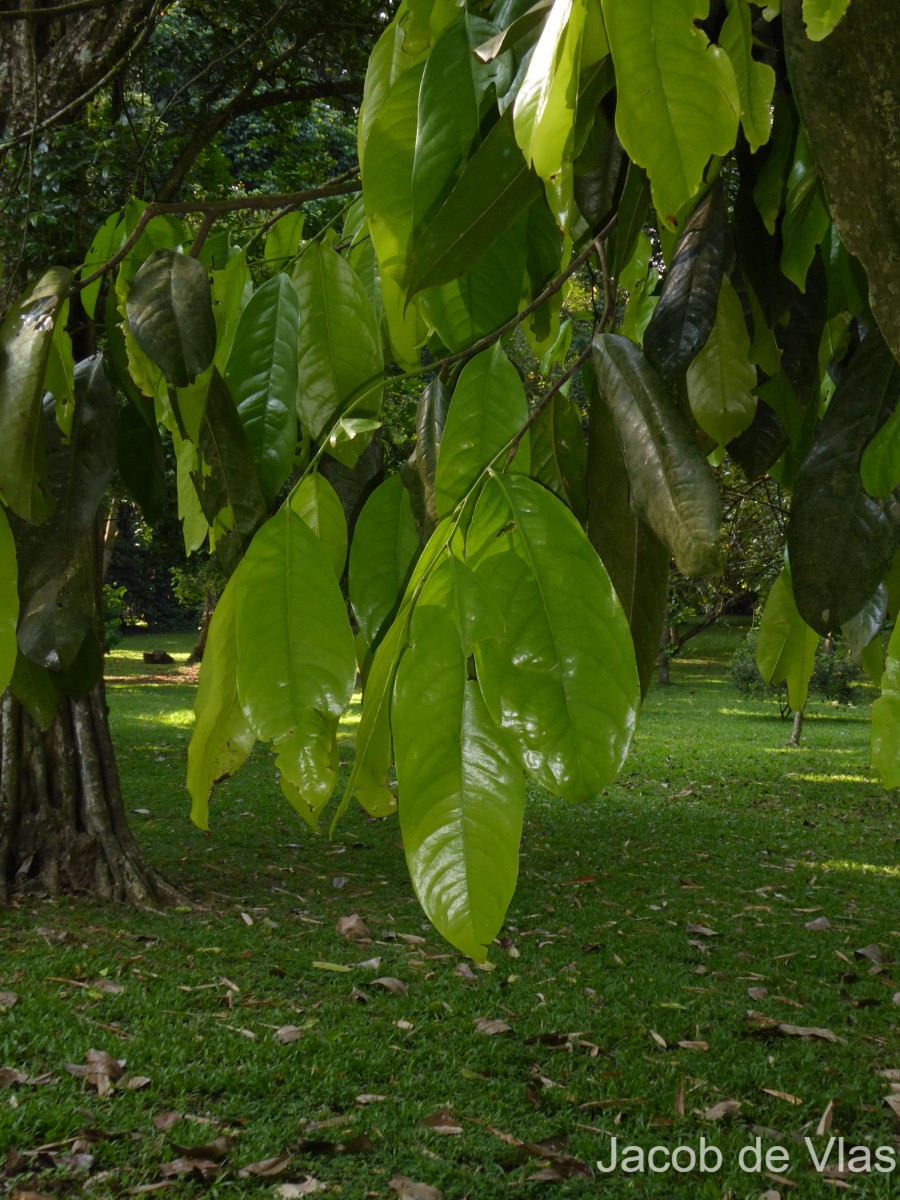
[(655, 967)]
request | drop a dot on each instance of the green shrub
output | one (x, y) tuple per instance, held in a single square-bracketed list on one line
[(833, 677)]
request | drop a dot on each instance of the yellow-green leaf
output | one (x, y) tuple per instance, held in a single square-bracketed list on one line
[(721, 379), (786, 646)]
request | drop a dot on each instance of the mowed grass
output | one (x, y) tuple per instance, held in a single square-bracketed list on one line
[(641, 922)]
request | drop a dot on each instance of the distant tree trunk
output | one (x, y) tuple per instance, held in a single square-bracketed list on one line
[(797, 728), (62, 821), (209, 605)]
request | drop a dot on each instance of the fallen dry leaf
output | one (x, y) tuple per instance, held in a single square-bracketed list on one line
[(166, 1120), (392, 985), (288, 1033), (371, 964), (819, 925), (892, 1073), (464, 971), (215, 1150), (893, 1103), (353, 928), (809, 1031), (357, 996), (491, 1026), (409, 1189), (825, 1120), (873, 953), (412, 939), (107, 987), (369, 1098), (694, 1045), (782, 1096), (757, 993), (205, 1169), (135, 1083), (7, 1000), (442, 1122), (293, 1191), (660, 1041), (267, 1168), (724, 1108), (702, 931), (101, 1070)]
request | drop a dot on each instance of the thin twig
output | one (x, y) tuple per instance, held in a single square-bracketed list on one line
[(544, 401), (60, 10)]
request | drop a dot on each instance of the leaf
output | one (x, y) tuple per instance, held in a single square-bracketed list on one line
[(353, 928), (786, 646), (410, 1189), (678, 102), (495, 187), (880, 464), (340, 359), (761, 444), (721, 379), (755, 80), (288, 1033), (431, 417), (226, 481), (169, 310), (261, 374), (491, 1026), (559, 453), (686, 313), (26, 339), (394, 986), (886, 718), (385, 547), (806, 218), (9, 602), (316, 501), (36, 689), (141, 462), (487, 409), (267, 1168), (293, 1191), (283, 239), (296, 663), (724, 1108), (867, 624), (561, 678), (821, 16), (106, 241), (840, 540), (461, 793), (221, 739), (672, 486), (637, 561)]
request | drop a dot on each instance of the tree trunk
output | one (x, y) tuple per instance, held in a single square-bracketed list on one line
[(797, 728), (62, 822), (209, 606)]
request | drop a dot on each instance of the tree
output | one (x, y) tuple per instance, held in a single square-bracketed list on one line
[(498, 155)]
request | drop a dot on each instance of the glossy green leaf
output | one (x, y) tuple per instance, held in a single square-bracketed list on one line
[(548, 251), (821, 16), (431, 417), (886, 718), (635, 558), (880, 465), (141, 462), (232, 288), (755, 80), (686, 313), (461, 791), (840, 539), (316, 501), (283, 239), (721, 379), (488, 408), (194, 525), (678, 102), (169, 310), (867, 624), (521, 24), (384, 550), (771, 181), (26, 337), (56, 565), (806, 217), (226, 481), (106, 242), (59, 378), (562, 678), (296, 664), (785, 645), (495, 187), (221, 739), (9, 602), (559, 453), (632, 214), (261, 375), (36, 690), (340, 357), (760, 445), (672, 485)]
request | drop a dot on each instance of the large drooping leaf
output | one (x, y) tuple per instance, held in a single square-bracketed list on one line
[(316, 501), (559, 453), (495, 187), (283, 239), (600, 172), (755, 80), (431, 417), (106, 241), (684, 318), (461, 791), (36, 689), (232, 288), (488, 408), (880, 465), (221, 738), (141, 461), (296, 663), (561, 678), (169, 309), (840, 539), (721, 379), (226, 481), (760, 445), (672, 485), (806, 217), (821, 16), (9, 602), (340, 362), (56, 572), (637, 561), (886, 717), (678, 102), (385, 547), (26, 338), (859, 631), (785, 645), (261, 374)]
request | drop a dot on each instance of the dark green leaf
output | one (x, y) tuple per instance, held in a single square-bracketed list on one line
[(630, 219), (840, 540), (672, 485), (786, 646), (686, 313), (169, 310), (760, 446), (385, 548), (880, 466), (36, 690), (867, 624), (261, 375), (600, 173), (141, 462), (431, 417), (559, 453)]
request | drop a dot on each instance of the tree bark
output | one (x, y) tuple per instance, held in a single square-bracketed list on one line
[(797, 728), (62, 821)]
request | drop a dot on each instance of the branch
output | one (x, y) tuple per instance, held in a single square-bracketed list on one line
[(211, 210), (545, 400), (25, 14)]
